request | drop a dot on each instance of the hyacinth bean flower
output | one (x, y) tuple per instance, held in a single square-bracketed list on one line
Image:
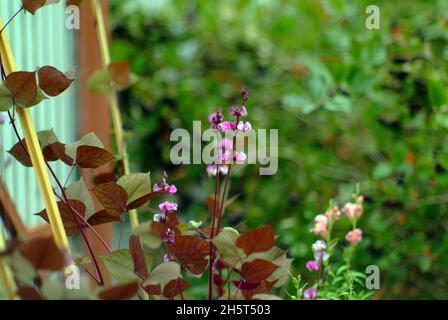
[(212, 170), (168, 206), (238, 111)]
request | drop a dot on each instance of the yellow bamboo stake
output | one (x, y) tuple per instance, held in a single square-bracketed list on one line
[(35, 152), (6, 277), (113, 100)]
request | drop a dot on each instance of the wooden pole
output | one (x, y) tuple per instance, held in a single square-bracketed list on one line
[(113, 99), (6, 277), (35, 152)]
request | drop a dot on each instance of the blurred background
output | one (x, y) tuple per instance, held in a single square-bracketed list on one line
[(352, 105)]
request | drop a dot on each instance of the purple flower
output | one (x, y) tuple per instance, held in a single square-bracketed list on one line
[(170, 237), (310, 293), (226, 143), (238, 111), (227, 126), (168, 206), (312, 265), (215, 118)]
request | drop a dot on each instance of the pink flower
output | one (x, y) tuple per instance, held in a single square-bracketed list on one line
[(333, 214), (168, 206), (235, 156), (164, 187), (310, 293), (353, 210), (239, 156), (312, 265), (226, 143), (238, 112), (227, 126), (244, 126), (171, 188), (215, 117), (320, 225), (169, 237), (354, 236), (212, 169)]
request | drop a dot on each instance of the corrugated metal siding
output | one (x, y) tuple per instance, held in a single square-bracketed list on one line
[(39, 40)]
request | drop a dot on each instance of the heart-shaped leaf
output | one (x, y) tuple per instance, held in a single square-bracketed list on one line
[(141, 201), (79, 191), (120, 292), (70, 225), (138, 257), (175, 287), (102, 217), (112, 196), (137, 185), (43, 253), (23, 86), (92, 157), (119, 264), (191, 252), (257, 240), (6, 101), (52, 81), (257, 270), (163, 274)]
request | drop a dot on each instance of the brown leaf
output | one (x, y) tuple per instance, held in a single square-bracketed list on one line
[(153, 289), (105, 177), (191, 252), (23, 86), (257, 270), (33, 5), (92, 157), (28, 293), (257, 240), (263, 287), (120, 72), (70, 225), (141, 201), (43, 253), (102, 217), (120, 292), (56, 151), (52, 81), (112, 196), (138, 257), (20, 154), (175, 287), (74, 3)]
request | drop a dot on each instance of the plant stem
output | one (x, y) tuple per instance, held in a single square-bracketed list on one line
[(113, 99), (37, 159), (212, 232), (10, 20)]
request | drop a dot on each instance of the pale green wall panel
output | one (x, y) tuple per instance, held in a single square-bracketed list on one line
[(39, 40)]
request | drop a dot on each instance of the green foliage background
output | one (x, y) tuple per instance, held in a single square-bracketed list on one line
[(348, 108)]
